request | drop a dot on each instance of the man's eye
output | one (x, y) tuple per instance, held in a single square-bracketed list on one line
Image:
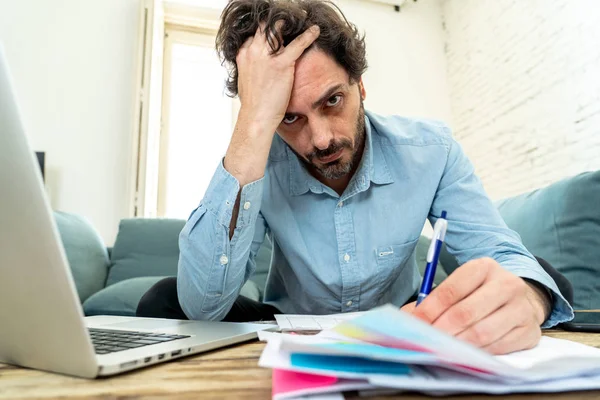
[(290, 119), (334, 100)]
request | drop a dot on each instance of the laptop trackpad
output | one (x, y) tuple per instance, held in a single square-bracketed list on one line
[(151, 324)]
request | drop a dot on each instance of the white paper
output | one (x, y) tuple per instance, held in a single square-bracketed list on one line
[(427, 380), (550, 350), (294, 322), (554, 358), (554, 365), (450, 382), (550, 359)]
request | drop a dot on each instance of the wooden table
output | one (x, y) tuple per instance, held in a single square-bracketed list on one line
[(230, 373)]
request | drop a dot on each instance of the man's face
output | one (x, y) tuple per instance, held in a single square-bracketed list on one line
[(324, 122)]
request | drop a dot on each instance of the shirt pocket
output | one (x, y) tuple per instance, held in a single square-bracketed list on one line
[(391, 261)]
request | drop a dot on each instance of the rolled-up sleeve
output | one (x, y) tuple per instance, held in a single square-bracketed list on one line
[(476, 229), (212, 267)]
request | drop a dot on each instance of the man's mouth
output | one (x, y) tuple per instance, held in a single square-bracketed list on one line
[(332, 157)]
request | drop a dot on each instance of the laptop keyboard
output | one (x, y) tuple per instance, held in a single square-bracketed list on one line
[(110, 341)]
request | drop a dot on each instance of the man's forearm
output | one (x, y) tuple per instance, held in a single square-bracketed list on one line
[(248, 151), (247, 156)]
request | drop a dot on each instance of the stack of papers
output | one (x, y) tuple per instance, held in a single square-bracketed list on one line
[(293, 322), (388, 349)]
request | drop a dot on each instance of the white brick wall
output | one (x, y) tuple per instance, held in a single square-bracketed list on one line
[(524, 78)]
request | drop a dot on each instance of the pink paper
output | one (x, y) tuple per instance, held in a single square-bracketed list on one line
[(290, 381)]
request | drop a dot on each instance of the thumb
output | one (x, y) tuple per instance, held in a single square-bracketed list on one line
[(409, 307)]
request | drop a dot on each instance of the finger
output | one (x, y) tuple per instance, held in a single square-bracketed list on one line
[(297, 46), (520, 338), (461, 283), (482, 302), (493, 327), (259, 35), (278, 27), (409, 307), (273, 37)]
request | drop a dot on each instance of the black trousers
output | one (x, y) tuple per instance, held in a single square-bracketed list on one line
[(161, 301)]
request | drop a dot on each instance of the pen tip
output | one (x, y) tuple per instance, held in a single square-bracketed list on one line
[(444, 214)]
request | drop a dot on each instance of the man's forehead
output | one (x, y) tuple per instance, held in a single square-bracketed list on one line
[(315, 64), (316, 72)]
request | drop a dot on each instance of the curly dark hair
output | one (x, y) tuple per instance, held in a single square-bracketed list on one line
[(338, 38)]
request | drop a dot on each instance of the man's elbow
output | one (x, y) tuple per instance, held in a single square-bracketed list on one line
[(192, 302)]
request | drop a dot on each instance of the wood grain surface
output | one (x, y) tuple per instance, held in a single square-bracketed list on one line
[(229, 373)]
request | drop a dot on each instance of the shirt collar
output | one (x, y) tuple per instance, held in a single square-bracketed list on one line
[(373, 168)]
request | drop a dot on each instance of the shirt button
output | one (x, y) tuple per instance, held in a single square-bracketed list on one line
[(341, 203), (347, 257), (223, 260), (349, 303), (247, 205)]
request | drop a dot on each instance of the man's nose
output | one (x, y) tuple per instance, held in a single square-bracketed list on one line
[(321, 134)]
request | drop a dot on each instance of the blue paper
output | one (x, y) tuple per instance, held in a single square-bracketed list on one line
[(347, 364)]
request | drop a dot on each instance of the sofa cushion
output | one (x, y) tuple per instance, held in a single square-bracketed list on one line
[(85, 252), (123, 297), (145, 247), (560, 223)]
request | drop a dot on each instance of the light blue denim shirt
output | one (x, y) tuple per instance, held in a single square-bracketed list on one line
[(352, 252)]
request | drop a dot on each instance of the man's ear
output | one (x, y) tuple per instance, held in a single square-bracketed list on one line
[(361, 88)]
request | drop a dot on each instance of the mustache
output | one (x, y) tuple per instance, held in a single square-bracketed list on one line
[(333, 148)]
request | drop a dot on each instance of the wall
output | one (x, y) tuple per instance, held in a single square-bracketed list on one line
[(525, 88), (405, 51), (73, 64)]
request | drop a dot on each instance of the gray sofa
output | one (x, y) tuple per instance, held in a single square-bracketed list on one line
[(560, 223)]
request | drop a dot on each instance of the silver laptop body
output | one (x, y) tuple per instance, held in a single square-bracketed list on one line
[(42, 325)]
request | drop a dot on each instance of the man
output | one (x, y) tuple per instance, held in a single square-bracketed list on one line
[(343, 194)]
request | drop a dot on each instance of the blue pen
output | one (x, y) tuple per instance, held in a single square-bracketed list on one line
[(439, 234)]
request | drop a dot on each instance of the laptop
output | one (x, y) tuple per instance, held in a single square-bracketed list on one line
[(42, 325)]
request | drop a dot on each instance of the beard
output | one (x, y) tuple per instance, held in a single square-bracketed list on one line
[(339, 168)]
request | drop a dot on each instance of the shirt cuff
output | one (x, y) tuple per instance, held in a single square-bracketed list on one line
[(222, 193)]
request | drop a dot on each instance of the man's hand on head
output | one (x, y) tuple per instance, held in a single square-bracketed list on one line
[(265, 82), (487, 306)]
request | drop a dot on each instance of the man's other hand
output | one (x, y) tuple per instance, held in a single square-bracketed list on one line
[(487, 306)]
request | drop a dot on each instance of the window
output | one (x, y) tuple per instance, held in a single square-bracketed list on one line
[(185, 119), (197, 119)]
